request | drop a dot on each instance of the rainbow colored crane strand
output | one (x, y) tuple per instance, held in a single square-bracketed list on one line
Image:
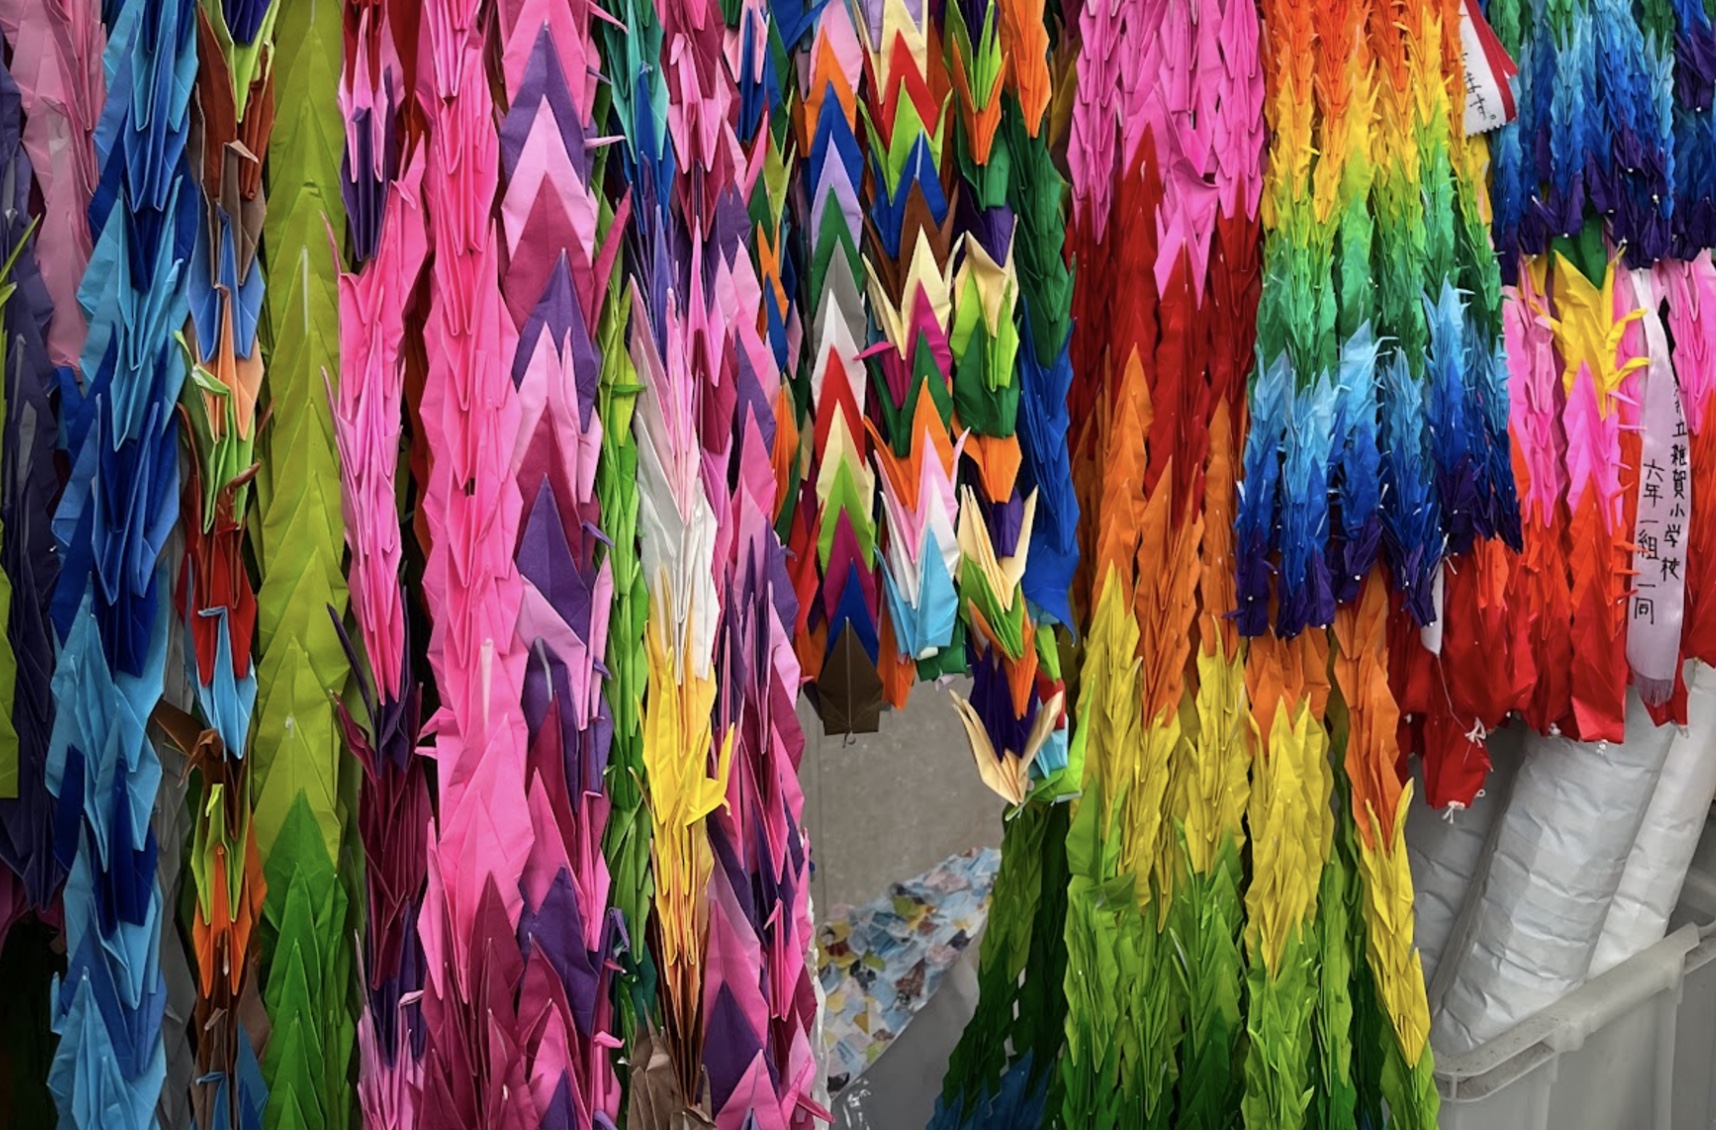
[(1121, 1036), (1606, 174), (1362, 172), (1004, 1067), (233, 116), (631, 36), (833, 535), (994, 518), (909, 257)]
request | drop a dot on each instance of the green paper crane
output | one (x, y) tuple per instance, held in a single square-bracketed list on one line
[(301, 808)]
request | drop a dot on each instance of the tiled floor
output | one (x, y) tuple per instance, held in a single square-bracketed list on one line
[(889, 805)]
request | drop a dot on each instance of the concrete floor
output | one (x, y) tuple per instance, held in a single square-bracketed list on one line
[(889, 805)]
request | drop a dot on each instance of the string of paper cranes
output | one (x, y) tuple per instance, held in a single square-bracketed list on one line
[(443, 438)]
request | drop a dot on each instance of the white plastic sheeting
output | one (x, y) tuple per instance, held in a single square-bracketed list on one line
[(1656, 867), (1560, 849), (1446, 848)]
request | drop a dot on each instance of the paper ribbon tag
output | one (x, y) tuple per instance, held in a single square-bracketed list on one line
[(1655, 606), (1489, 73), (1430, 635)]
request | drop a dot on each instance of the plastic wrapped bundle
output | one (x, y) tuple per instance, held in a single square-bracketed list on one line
[(1446, 848), (1559, 854), (1656, 867)]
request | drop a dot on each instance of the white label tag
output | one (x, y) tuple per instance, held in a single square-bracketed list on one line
[(1489, 73), (1655, 606), (1430, 635)]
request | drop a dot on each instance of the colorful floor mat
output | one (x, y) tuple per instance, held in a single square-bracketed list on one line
[(881, 962)]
